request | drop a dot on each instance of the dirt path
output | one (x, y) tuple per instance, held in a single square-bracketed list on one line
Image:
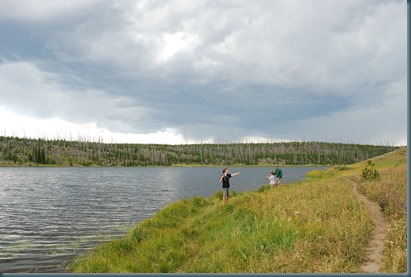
[(374, 250)]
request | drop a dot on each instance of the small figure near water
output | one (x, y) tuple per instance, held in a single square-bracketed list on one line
[(271, 177), (278, 175), (225, 179)]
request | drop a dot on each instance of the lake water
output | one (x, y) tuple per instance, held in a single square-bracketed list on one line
[(48, 215)]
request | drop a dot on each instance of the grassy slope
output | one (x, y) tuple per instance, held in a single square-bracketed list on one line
[(312, 226)]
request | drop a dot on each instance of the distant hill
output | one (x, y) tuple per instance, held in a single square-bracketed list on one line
[(32, 152)]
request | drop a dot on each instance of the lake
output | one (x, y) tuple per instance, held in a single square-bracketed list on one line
[(49, 215)]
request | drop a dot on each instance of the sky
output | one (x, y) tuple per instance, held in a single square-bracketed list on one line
[(182, 71)]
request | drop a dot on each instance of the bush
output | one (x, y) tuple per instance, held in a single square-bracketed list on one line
[(369, 172)]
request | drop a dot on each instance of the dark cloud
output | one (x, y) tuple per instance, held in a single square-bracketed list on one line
[(208, 69)]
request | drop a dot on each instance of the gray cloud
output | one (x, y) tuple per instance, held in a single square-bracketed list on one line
[(202, 67)]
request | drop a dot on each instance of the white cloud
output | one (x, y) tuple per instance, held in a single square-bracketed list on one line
[(286, 43), (32, 92), (173, 43), (12, 124)]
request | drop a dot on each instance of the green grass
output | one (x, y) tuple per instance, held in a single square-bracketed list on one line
[(313, 226)]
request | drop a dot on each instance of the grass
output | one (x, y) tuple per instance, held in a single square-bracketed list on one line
[(316, 225), (12, 250), (390, 192)]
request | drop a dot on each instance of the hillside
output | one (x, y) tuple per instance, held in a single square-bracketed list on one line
[(30, 152), (319, 225)]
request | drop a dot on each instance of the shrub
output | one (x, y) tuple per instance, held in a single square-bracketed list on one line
[(343, 167), (369, 172)]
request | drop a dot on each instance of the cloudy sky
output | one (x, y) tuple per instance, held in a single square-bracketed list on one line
[(183, 71)]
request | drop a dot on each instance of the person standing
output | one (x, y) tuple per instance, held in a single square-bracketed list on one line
[(278, 175), (271, 178), (225, 179)]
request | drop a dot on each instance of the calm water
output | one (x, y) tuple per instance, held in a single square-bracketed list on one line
[(50, 215)]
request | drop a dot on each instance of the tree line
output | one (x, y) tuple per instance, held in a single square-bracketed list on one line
[(24, 151)]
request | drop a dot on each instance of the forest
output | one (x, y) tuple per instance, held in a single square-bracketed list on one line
[(16, 151)]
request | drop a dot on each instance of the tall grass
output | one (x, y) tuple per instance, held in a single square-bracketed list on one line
[(390, 192), (312, 226)]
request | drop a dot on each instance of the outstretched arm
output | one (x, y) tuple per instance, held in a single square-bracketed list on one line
[(235, 174)]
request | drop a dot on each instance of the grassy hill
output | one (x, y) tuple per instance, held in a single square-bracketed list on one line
[(318, 225)]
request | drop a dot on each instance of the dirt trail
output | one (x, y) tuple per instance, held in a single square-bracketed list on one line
[(374, 250)]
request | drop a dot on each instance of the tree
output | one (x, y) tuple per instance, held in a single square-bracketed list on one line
[(369, 172)]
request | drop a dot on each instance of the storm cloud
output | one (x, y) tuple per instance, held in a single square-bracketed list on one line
[(210, 71)]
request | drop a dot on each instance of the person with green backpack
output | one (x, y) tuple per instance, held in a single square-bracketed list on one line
[(278, 173)]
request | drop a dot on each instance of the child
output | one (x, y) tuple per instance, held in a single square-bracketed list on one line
[(271, 177), (225, 179)]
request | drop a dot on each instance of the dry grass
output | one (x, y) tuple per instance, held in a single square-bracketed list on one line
[(313, 226)]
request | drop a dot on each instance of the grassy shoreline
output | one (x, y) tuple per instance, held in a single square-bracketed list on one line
[(315, 225)]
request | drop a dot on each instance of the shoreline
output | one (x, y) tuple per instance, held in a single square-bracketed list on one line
[(189, 235)]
